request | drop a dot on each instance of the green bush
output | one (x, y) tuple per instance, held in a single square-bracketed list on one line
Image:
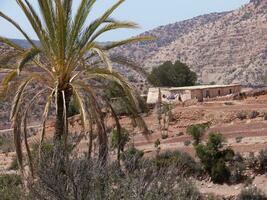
[(196, 132), (214, 157), (131, 158), (241, 115), (258, 163), (237, 167), (10, 187), (220, 173), (179, 160), (252, 193)]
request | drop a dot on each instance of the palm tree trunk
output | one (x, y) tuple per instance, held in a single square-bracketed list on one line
[(61, 127)]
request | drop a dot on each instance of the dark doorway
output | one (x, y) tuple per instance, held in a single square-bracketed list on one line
[(207, 94), (219, 92)]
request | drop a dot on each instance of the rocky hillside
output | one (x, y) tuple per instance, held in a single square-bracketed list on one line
[(229, 47)]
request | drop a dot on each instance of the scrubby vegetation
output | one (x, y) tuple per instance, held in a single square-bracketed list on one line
[(252, 193), (6, 143), (253, 114), (182, 162), (258, 163), (11, 187), (241, 115)]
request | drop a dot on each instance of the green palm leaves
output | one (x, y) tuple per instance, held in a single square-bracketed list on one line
[(66, 63)]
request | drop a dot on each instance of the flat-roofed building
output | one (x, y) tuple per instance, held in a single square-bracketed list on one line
[(192, 92)]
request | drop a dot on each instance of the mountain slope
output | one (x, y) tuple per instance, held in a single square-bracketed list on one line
[(224, 48)]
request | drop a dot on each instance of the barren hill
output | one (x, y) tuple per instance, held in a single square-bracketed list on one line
[(221, 47)]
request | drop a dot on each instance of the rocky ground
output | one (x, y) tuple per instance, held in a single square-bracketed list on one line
[(244, 136)]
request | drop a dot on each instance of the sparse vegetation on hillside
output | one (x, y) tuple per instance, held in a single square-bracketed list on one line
[(172, 75)]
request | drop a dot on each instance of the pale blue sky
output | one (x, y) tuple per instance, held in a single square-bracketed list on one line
[(147, 13)]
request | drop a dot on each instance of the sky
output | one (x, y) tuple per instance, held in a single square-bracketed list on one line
[(148, 14)]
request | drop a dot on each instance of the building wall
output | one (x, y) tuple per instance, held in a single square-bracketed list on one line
[(171, 95), (200, 94)]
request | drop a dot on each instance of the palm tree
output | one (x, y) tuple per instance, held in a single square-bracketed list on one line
[(67, 63)]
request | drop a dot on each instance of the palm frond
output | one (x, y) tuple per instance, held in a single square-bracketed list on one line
[(127, 41), (24, 118), (11, 44), (128, 63), (81, 105), (17, 141), (17, 99), (103, 57), (113, 26), (26, 57), (44, 119)]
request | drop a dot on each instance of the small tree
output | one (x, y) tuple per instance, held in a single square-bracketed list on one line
[(214, 157), (196, 132)]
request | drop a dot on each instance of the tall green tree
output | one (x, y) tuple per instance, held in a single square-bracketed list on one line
[(172, 75), (68, 63)]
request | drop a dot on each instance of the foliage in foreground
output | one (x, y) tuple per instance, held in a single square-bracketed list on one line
[(84, 179), (10, 187)]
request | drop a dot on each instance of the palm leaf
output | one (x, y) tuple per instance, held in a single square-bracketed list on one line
[(81, 105), (10, 43), (17, 99), (127, 41), (26, 57)]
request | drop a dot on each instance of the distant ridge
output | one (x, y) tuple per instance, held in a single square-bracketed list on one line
[(24, 43), (222, 48)]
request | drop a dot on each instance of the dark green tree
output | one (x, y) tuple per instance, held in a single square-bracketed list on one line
[(214, 157), (172, 75)]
